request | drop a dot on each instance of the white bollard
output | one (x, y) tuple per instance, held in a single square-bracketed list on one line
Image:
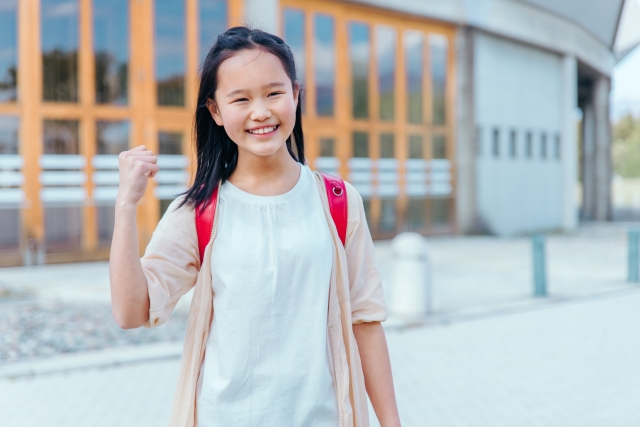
[(411, 292)]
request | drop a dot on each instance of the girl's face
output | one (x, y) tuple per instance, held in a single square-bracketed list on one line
[(255, 102)]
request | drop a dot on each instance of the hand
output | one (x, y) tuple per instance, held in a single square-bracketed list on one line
[(136, 167)]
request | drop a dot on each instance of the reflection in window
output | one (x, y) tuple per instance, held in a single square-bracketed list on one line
[(112, 137), (8, 50), (496, 142), (359, 52), (294, 36), (416, 214), (360, 144), (170, 143), (9, 135), (386, 64), (324, 63), (513, 144), (63, 228), (558, 147), (529, 145), (111, 46), (439, 45), (170, 52), (61, 137), (413, 56), (60, 50), (439, 147), (387, 215), (213, 22), (327, 147), (387, 150), (416, 150), (440, 211)]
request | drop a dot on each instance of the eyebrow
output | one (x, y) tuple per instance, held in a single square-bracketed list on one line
[(267, 86)]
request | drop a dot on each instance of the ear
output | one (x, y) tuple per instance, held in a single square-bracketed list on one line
[(215, 113), (296, 92)]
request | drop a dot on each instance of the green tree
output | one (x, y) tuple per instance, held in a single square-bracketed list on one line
[(626, 147)]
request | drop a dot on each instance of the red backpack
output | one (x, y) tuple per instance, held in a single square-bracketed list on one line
[(336, 193)]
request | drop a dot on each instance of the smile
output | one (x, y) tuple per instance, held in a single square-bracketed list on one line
[(263, 131)]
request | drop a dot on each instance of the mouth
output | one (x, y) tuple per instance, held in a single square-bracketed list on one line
[(266, 130)]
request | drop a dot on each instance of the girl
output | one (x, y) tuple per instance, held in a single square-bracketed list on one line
[(284, 327)]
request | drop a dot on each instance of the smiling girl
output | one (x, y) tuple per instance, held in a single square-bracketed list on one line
[(284, 326)]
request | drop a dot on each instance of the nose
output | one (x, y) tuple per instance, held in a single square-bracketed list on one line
[(260, 112)]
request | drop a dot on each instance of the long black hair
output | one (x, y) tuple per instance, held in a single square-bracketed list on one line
[(217, 154)]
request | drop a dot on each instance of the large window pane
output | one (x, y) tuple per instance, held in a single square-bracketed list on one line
[(170, 143), (414, 65), (416, 150), (327, 147), (8, 50), (111, 46), (60, 50), (9, 135), (113, 137), (387, 215), (416, 213), (387, 149), (61, 137), (359, 52), (213, 22), (386, 60), (439, 45), (439, 147), (324, 63), (170, 51), (360, 144), (440, 211), (294, 35)]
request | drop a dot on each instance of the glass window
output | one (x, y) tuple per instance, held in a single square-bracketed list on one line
[(60, 50), (170, 143), (294, 35), (9, 135), (416, 150), (61, 137), (113, 137), (414, 64), (478, 141), (366, 205), (439, 148), (416, 214), (111, 47), (63, 228), (8, 50), (440, 211), (360, 144), (387, 150), (213, 22), (558, 147), (170, 51), (387, 215), (439, 45), (529, 145), (324, 63), (10, 230), (106, 221), (543, 145), (513, 144), (386, 64), (496, 142), (359, 52), (327, 147)]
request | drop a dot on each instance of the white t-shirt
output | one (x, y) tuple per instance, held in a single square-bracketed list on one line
[(266, 362)]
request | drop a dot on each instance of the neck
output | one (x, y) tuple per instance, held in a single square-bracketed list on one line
[(265, 175)]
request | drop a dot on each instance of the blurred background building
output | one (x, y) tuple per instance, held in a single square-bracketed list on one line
[(448, 116)]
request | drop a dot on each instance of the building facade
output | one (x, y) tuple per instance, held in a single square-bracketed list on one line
[(446, 116)]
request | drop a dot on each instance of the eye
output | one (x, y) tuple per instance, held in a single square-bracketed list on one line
[(239, 100), (275, 93)]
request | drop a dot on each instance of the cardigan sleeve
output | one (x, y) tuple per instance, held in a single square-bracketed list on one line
[(365, 286), (171, 261)]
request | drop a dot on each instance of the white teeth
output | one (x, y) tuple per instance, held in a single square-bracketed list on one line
[(263, 130)]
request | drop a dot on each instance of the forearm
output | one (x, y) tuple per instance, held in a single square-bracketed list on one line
[(129, 294), (376, 366)]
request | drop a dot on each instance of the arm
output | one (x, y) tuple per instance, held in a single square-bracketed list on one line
[(376, 367), (129, 293)]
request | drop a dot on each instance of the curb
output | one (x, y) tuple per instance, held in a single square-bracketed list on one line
[(93, 359)]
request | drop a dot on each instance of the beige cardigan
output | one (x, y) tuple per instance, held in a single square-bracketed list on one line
[(172, 267)]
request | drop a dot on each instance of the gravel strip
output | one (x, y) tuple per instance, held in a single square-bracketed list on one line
[(32, 330)]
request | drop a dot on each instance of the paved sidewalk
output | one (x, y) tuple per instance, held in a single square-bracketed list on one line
[(567, 364)]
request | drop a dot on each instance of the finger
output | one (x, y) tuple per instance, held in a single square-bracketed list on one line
[(145, 159), (138, 148), (152, 170), (141, 153)]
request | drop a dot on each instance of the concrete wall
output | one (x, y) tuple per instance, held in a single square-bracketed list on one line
[(518, 88)]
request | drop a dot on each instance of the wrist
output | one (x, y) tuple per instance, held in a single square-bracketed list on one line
[(126, 205)]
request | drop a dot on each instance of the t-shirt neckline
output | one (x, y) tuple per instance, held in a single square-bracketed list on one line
[(229, 189)]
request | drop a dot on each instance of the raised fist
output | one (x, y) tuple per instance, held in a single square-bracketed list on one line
[(136, 167)]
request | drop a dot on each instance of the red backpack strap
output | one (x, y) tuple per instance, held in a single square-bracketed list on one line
[(204, 223), (337, 195)]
